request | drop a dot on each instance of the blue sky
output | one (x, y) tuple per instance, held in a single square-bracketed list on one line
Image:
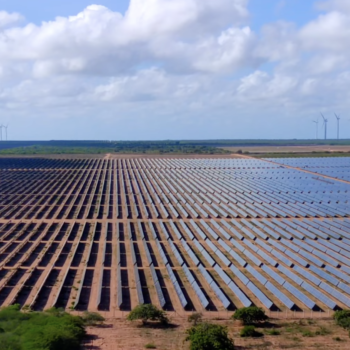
[(173, 69)]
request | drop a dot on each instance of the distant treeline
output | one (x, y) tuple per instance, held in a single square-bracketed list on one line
[(88, 147), (153, 147), (169, 143)]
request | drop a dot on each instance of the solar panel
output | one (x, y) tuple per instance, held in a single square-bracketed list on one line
[(339, 296), (241, 296), (162, 254), (324, 275), (252, 257), (239, 274), (222, 274), (221, 296), (281, 257), (280, 280), (290, 274), (337, 273), (279, 295), (223, 258), (267, 258), (119, 287), (307, 275), (148, 255), (319, 295), (260, 295), (256, 274), (299, 295)]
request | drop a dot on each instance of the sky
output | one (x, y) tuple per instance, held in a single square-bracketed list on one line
[(174, 69)]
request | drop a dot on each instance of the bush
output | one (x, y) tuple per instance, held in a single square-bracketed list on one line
[(50, 330), (195, 318), (249, 331), (92, 318), (148, 312), (250, 315), (207, 336), (150, 346), (273, 332), (342, 318)]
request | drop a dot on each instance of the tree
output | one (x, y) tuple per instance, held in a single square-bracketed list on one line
[(207, 336), (250, 315), (195, 318), (342, 318), (148, 312)]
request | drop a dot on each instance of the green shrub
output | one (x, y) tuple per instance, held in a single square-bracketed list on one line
[(273, 332), (249, 331), (50, 330), (207, 336), (148, 312), (342, 318), (92, 318), (150, 346), (307, 333), (250, 315)]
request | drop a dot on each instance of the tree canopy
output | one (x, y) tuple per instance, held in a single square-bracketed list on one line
[(207, 336), (148, 312), (250, 315)]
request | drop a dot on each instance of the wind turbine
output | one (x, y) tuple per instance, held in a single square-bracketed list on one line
[(338, 118), (316, 122), (6, 130), (325, 121), (1, 126)]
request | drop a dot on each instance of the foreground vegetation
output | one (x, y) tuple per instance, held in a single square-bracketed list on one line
[(249, 328), (53, 329)]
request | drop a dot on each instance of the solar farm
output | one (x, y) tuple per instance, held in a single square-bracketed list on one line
[(185, 234)]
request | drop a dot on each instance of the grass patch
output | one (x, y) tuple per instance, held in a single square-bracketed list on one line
[(273, 332), (323, 331), (250, 331), (307, 333)]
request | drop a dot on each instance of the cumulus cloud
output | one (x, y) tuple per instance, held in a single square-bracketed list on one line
[(99, 41), (9, 19), (198, 59)]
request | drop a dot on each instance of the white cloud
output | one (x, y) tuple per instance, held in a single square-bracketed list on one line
[(9, 19), (189, 62), (334, 5)]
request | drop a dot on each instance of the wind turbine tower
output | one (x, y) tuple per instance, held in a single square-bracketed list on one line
[(325, 121), (1, 126), (338, 118), (316, 122), (6, 131)]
